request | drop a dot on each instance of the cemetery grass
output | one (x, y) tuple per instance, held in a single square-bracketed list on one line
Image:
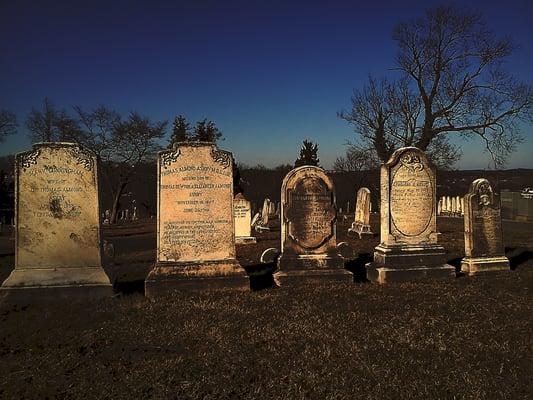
[(465, 338)]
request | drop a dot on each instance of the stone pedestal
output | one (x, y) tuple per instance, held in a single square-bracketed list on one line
[(361, 224), (195, 220), (408, 250), (308, 229), (58, 251), (476, 265), (360, 230), (215, 274)]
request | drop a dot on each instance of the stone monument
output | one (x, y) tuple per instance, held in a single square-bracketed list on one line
[(308, 229), (262, 224), (58, 250), (483, 230), (195, 227), (361, 224), (242, 212), (408, 249)]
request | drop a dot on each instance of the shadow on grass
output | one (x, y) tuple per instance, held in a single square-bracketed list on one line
[(456, 263), (129, 287), (518, 256), (357, 266), (261, 276)]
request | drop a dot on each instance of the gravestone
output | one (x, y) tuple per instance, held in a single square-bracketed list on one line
[(262, 224), (58, 251), (483, 230), (454, 206), (308, 229), (242, 212), (439, 207), (408, 249), (459, 206), (195, 227), (361, 225)]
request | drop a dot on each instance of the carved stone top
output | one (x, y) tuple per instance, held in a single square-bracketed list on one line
[(84, 157), (222, 157)]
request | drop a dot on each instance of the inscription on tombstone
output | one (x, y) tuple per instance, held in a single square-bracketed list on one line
[(308, 228), (408, 248), (195, 219), (242, 212), (58, 243), (483, 230)]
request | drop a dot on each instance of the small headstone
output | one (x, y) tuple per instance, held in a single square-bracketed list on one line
[(308, 228), (439, 207), (459, 206), (242, 212), (361, 224), (454, 206), (255, 219), (448, 205), (408, 249), (462, 206), (107, 217), (196, 236), (58, 241), (483, 230)]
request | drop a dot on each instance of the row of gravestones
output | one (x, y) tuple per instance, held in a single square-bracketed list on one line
[(451, 206), (58, 241)]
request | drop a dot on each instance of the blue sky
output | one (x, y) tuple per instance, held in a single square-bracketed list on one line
[(269, 73)]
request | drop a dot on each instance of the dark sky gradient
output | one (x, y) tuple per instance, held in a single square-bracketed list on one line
[(268, 73)]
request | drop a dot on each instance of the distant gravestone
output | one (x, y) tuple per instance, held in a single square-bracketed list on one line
[(439, 207), (408, 248), (262, 224), (454, 206), (308, 228), (242, 212), (361, 224), (196, 237), (58, 242), (483, 230)]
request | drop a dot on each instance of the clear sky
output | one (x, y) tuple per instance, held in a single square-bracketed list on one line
[(269, 73)]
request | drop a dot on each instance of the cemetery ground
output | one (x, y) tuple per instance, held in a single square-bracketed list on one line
[(465, 338)]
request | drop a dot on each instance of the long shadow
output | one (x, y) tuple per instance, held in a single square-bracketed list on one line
[(129, 287), (357, 266), (261, 276), (456, 262), (518, 256)]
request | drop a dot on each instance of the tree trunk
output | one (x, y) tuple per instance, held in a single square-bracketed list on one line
[(116, 201)]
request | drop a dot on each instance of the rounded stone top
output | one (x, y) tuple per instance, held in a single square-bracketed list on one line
[(306, 170), (397, 155)]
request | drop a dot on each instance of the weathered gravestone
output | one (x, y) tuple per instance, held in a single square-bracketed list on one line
[(242, 212), (262, 224), (195, 227), (308, 228), (361, 225), (58, 244), (408, 248), (483, 230)]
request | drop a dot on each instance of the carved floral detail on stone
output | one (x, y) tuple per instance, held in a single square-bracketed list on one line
[(411, 162), (221, 157), (28, 159), (169, 157), (83, 157)]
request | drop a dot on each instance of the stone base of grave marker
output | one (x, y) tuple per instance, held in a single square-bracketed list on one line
[(403, 263), (476, 265), (46, 284), (360, 230), (166, 277), (245, 239), (313, 267)]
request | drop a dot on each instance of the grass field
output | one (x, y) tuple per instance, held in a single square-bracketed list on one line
[(464, 338)]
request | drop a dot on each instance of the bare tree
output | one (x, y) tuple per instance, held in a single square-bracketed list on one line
[(452, 85), (8, 123), (52, 125)]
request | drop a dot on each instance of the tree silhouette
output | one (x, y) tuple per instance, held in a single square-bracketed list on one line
[(180, 131), (8, 123), (308, 154), (452, 84)]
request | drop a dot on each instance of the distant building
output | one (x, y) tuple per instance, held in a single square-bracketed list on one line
[(517, 205)]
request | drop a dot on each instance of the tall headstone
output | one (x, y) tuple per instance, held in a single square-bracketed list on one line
[(58, 243), (242, 212), (483, 230), (408, 249), (195, 231), (308, 229), (361, 224)]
